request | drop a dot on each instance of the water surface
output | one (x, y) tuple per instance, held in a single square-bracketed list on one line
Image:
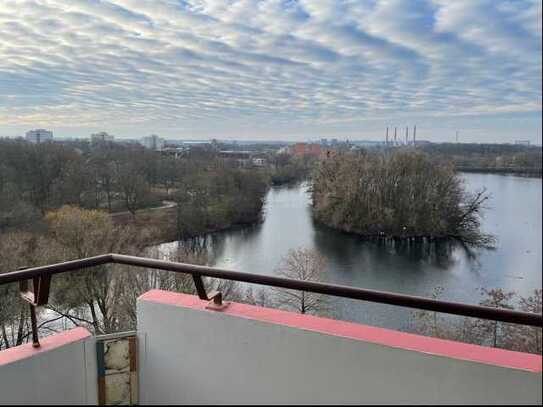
[(513, 216)]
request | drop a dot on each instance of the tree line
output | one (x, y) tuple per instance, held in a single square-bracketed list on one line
[(466, 156), (288, 169), (114, 177), (63, 201)]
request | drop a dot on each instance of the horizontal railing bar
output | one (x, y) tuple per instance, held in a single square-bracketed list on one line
[(383, 297), (56, 268)]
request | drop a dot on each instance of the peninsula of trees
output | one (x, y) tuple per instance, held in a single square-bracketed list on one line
[(176, 198)]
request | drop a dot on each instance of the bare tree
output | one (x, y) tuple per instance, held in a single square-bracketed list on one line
[(496, 298), (260, 297), (524, 338), (23, 249), (428, 321), (144, 280), (306, 265), (485, 332), (90, 297), (133, 185)]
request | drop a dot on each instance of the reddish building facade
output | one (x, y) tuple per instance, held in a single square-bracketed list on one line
[(312, 149), (306, 149)]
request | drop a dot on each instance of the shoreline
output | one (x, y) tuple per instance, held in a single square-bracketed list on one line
[(162, 225), (522, 172), (232, 227), (407, 239)]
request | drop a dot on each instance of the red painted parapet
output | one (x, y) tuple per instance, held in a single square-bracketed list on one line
[(47, 344), (385, 337)]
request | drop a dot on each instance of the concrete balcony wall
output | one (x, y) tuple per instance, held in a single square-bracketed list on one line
[(247, 354), (61, 371)]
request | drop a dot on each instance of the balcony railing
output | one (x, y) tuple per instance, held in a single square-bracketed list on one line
[(41, 278)]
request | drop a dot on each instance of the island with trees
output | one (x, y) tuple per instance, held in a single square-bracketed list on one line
[(397, 194)]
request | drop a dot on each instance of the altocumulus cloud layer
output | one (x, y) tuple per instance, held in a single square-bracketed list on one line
[(268, 68)]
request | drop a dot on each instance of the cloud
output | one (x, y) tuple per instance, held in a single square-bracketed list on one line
[(289, 65)]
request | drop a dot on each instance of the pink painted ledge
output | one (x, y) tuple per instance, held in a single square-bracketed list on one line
[(386, 337), (47, 344)]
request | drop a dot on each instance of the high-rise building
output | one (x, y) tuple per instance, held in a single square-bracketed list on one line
[(101, 137), (153, 142), (39, 136)]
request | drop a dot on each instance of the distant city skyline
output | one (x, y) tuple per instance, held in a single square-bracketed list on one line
[(272, 70)]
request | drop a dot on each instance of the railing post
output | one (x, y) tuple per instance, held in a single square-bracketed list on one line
[(35, 337), (200, 288), (38, 296)]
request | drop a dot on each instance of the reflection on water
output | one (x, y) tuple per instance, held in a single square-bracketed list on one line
[(438, 254), (514, 217)]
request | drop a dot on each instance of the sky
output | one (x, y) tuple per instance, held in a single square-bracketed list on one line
[(272, 69)]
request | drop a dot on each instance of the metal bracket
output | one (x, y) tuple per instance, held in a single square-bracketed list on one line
[(216, 303), (214, 298), (38, 296)]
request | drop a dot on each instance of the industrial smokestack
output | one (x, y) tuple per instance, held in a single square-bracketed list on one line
[(415, 134), (387, 137), (395, 140), (406, 135)]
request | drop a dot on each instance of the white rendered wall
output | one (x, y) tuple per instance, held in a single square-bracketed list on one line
[(62, 372), (189, 355)]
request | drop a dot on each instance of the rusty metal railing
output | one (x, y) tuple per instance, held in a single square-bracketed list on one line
[(41, 277)]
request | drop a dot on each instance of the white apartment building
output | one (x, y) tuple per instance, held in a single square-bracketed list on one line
[(259, 162), (39, 136)]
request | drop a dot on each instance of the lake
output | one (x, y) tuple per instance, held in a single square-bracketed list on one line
[(513, 217)]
